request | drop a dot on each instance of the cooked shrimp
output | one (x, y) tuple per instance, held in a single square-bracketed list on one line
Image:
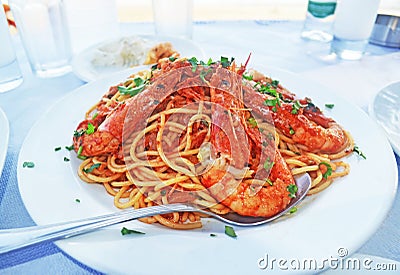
[(245, 197)]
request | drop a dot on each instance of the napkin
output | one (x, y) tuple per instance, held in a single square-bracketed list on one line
[(359, 81)]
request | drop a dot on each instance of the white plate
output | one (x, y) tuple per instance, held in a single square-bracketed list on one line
[(385, 109), (82, 63), (4, 136), (343, 216)]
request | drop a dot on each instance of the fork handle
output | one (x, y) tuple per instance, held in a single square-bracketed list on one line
[(12, 239)]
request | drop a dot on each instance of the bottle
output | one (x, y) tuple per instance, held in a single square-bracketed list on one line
[(319, 20)]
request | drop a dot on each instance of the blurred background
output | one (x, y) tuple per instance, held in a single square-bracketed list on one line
[(140, 10)]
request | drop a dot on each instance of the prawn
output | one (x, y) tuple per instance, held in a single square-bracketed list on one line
[(227, 184)]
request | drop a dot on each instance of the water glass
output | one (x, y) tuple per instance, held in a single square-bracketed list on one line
[(10, 74), (352, 27), (173, 17), (43, 29)]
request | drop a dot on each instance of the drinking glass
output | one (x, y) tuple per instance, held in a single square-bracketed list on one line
[(43, 29), (10, 74), (352, 27), (173, 17)]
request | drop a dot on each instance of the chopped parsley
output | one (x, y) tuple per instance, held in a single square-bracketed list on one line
[(328, 169), (77, 200), (272, 103), (163, 192), (204, 73), (275, 83), (292, 189), (69, 148), (126, 231), (213, 235), (359, 152), (252, 121), (248, 77), (193, 61), (28, 164), (269, 182), (66, 159), (90, 129), (172, 58), (268, 164), (79, 133), (230, 231), (225, 62), (91, 168), (140, 84), (57, 149), (296, 107), (95, 115), (291, 131), (293, 210), (329, 105), (80, 149)]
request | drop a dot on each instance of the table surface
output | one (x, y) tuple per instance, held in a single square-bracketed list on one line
[(276, 43)]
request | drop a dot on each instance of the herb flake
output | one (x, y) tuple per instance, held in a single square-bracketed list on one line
[(91, 168), (28, 164), (230, 231), (126, 231), (292, 189), (329, 105), (328, 169), (359, 152)]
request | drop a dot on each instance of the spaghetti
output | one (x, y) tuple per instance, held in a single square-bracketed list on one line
[(164, 162)]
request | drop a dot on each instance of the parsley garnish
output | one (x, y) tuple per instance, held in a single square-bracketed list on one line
[(248, 77), (293, 210), (163, 192), (69, 148), (213, 235), (126, 231), (77, 200), (252, 121), (66, 159), (90, 129), (268, 164), (328, 169), (272, 102), (28, 164), (296, 107), (193, 61), (57, 149), (329, 105), (91, 168), (269, 182), (230, 231), (275, 83), (140, 83), (291, 131), (359, 152), (204, 73), (95, 115), (79, 133), (80, 149), (292, 188), (225, 62), (172, 58)]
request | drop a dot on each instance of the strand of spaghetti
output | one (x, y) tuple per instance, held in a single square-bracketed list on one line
[(320, 187), (161, 151), (173, 225), (170, 182), (305, 169), (80, 171)]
